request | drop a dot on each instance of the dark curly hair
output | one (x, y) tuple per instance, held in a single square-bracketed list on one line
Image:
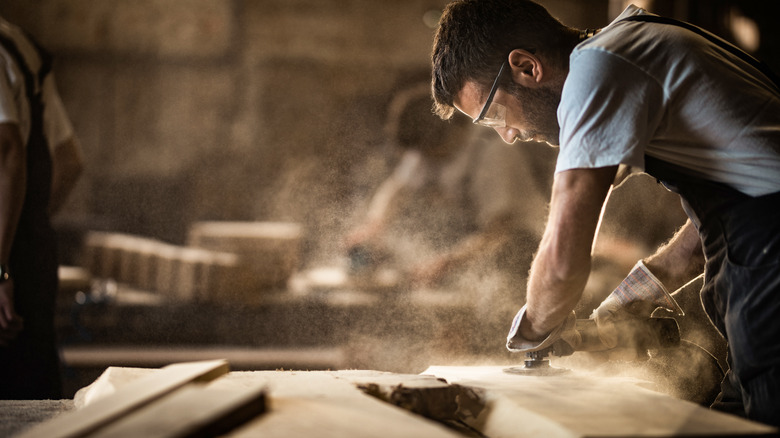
[(475, 36)]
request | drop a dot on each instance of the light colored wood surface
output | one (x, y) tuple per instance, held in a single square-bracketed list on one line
[(327, 404), (303, 403), (17, 416), (195, 410), (246, 358), (144, 390), (365, 403), (579, 404)]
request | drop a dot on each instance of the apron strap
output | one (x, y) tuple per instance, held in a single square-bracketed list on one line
[(762, 67)]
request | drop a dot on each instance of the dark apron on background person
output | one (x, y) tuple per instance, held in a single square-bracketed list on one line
[(30, 365), (740, 237)]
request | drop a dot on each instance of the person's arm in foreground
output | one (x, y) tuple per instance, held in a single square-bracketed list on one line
[(383, 205), (13, 175), (680, 260), (475, 246), (562, 264)]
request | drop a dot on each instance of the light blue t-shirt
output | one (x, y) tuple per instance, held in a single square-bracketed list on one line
[(629, 93)]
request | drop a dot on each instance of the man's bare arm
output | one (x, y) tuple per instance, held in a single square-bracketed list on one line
[(680, 260), (562, 264)]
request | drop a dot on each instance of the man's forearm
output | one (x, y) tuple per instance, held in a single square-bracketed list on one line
[(562, 264), (678, 261), (550, 296)]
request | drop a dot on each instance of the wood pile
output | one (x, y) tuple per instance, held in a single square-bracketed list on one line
[(270, 251), (221, 261), (204, 399)]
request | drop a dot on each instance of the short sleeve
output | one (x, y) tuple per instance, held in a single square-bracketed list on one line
[(609, 111)]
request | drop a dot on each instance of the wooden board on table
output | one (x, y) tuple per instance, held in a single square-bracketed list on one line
[(328, 404), (311, 403), (195, 410), (151, 387), (582, 404)]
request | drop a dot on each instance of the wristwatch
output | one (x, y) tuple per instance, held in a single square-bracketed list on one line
[(4, 273)]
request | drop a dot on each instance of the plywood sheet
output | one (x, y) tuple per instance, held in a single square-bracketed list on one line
[(301, 403), (322, 404), (581, 404)]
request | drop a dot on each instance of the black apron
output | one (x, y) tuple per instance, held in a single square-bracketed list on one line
[(740, 237)]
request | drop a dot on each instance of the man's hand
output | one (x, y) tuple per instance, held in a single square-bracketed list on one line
[(645, 288), (10, 323), (431, 272), (637, 296), (564, 339)]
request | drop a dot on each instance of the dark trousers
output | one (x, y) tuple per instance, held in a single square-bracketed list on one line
[(30, 365), (741, 293)]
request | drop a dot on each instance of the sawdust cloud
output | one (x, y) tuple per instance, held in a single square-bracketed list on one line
[(328, 194), (398, 336), (464, 321)]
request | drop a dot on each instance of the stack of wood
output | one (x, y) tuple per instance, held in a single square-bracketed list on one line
[(269, 251), (221, 261)]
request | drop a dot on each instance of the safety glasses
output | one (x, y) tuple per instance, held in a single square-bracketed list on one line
[(493, 115)]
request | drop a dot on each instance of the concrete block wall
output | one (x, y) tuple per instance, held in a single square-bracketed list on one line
[(195, 29)]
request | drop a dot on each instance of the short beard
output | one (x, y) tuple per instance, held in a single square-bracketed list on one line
[(540, 107)]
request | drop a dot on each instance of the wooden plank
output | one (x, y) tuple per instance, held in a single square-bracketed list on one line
[(582, 404), (240, 358), (424, 395), (311, 403), (306, 418), (193, 411), (131, 397), (19, 415), (321, 404)]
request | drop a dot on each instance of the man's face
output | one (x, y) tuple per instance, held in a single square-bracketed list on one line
[(530, 112)]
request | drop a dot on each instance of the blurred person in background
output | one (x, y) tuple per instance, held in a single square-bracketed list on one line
[(40, 161), (642, 94), (459, 211)]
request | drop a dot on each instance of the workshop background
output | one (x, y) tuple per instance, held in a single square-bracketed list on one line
[(194, 110), (266, 110)]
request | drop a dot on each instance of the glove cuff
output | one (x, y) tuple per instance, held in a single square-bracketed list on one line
[(642, 285), (517, 343)]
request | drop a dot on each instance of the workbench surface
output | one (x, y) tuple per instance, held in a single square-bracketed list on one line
[(444, 401)]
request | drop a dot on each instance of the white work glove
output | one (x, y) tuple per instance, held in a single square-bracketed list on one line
[(564, 339), (638, 295)]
